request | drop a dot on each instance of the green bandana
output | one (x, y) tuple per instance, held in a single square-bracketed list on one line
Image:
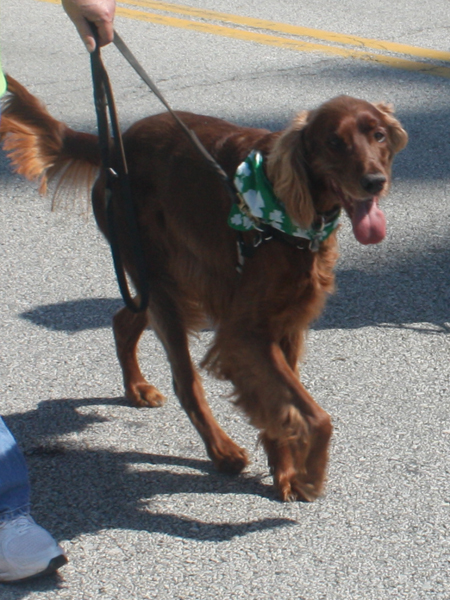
[(261, 207)]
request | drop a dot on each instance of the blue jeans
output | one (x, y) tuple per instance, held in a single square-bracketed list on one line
[(14, 484)]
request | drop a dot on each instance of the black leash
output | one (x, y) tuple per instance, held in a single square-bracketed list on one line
[(104, 103)]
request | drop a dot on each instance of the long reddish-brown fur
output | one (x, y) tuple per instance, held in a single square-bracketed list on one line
[(337, 155)]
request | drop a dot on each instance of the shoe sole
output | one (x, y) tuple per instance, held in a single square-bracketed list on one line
[(55, 564)]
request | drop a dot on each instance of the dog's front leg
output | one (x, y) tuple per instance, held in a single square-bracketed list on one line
[(295, 430), (308, 455)]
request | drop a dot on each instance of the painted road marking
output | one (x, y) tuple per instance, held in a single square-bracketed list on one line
[(345, 46)]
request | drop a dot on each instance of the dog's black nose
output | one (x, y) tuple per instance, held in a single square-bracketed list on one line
[(373, 183)]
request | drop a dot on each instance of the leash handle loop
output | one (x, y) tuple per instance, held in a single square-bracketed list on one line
[(104, 103)]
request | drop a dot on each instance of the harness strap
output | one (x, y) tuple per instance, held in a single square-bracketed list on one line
[(268, 233)]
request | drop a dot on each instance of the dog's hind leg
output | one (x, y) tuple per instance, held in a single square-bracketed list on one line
[(168, 325), (128, 328)]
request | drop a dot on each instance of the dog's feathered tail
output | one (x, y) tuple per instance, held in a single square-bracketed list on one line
[(42, 148)]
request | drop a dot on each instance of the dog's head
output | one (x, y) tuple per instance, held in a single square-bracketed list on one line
[(339, 154)]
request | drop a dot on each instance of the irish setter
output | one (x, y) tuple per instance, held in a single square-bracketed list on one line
[(337, 156)]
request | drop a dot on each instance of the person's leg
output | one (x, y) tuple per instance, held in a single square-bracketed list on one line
[(14, 485), (26, 549)]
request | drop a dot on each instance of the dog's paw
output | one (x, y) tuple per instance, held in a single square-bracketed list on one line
[(298, 469), (230, 458), (144, 395), (296, 490)]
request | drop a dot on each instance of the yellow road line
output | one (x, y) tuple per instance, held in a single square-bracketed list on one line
[(349, 40), (285, 42)]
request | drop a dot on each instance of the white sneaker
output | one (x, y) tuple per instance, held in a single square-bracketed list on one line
[(27, 550)]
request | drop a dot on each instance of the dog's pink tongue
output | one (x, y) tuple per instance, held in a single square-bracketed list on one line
[(369, 222)]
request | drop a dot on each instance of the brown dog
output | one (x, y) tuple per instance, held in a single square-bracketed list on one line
[(337, 156)]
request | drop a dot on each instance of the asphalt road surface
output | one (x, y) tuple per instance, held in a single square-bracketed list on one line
[(130, 493)]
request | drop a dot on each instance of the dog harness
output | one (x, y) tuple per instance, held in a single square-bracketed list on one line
[(259, 209)]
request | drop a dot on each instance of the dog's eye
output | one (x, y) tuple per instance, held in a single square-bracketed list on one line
[(379, 136), (335, 142)]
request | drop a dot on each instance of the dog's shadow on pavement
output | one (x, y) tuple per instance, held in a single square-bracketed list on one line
[(78, 490), (409, 290)]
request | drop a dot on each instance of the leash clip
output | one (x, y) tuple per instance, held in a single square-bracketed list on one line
[(262, 236), (315, 244)]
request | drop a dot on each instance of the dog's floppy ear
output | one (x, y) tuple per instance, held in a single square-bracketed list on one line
[(397, 135), (287, 173)]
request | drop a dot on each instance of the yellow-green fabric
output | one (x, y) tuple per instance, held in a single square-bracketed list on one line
[(2, 83)]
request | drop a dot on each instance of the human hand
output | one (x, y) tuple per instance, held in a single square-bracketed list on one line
[(98, 12)]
